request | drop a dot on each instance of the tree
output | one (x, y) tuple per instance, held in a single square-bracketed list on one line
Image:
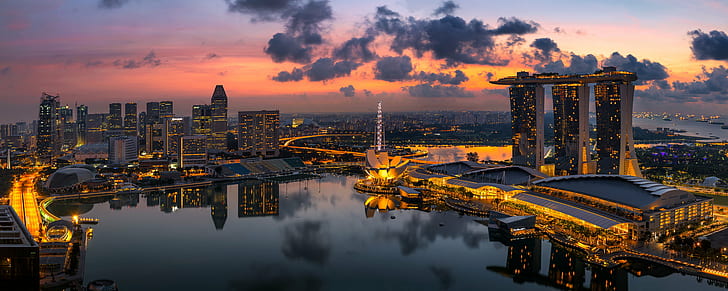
[(472, 156)]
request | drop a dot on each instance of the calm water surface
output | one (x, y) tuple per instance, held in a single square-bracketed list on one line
[(316, 235)]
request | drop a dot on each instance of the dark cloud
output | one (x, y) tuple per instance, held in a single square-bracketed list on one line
[(305, 21), (646, 70), (714, 81), (559, 30), (211, 56), (294, 76), (262, 9), (447, 8), (348, 91), (263, 277), (544, 48), (578, 65), (283, 47), (662, 84), (515, 26), (442, 78), (434, 91), (488, 75), (325, 69), (711, 86), (150, 60), (306, 241), (418, 232), (444, 276), (367, 92), (393, 69), (90, 64), (111, 4), (5, 70), (356, 49), (709, 46)]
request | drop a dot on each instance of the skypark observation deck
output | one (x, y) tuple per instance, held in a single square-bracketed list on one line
[(553, 78)]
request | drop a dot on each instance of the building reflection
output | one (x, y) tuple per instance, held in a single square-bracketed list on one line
[(124, 200), (603, 279), (257, 198), (218, 209), (566, 269), (524, 257)]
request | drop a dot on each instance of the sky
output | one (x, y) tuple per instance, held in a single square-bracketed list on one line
[(343, 56)]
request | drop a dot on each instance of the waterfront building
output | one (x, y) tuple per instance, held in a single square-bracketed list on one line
[(49, 127), (527, 124), (258, 132), (571, 129), (130, 119), (123, 149), (219, 126), (615, 145), (257, 198), (193, 151), (19, 253), (81, 124)]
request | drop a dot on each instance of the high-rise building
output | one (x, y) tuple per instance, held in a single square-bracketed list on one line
[(527, 125), (49, 138), (218, 110), (68, 125), (615, 146), (258, 132), (193, 151), (571, 128), (152, 112), (115, 120), (155, 138), (174, 129), (81, 124), (201, 120), (166, 109), (96, 125), (130, 119), (122, 149)]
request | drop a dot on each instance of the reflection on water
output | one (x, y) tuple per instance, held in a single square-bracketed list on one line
[(448, 154), (312, 235)]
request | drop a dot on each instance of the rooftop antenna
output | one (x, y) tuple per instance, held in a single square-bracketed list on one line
[(380, 133)]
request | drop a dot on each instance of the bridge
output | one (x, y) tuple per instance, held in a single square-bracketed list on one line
[(24, 199), (288, 140)]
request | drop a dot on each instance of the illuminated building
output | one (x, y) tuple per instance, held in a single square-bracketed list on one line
[(95, 127), (122, 149), (19, 253), (193, 151), (155, 138), (130, 119), (174, 129), (49, 127), (81, 124), (258, 132), (527, 124), (257, 198), (219, 126), (201, 120), (615, 147), (166, 109), (152, 112), (218, 207), (571, 128), (115, 119)]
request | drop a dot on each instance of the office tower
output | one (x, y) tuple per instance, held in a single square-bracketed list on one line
[(48, 141), (527, 125), (201, 120), (130, 119), (166, 109), (96, 127), (615, 147), (218, 110), (193, 151), (122, 149), (258, 132), (257, 198), (68, 127), (152, 112), (115, 120), (81, 124), (174, 129), (155, 138), (571, 128)]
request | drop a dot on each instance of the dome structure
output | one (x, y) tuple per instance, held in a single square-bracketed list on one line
[(68, 177), (383, 169), (380, 202)]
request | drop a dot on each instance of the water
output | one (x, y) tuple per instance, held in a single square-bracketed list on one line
[(692, 127), (320, 239), (446, 154)]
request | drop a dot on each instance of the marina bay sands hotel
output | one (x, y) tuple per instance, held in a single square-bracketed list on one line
[(613, 94)]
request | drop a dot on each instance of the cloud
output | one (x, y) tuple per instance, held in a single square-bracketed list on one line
[(444, 276), (112, 4), (515, 26), (367, 93), (434, 91), (283, 47), (447, 8), (262, 10), (95, 63), (488, 75), (442, 78), (348, 91), (306, 241), (577, 65), (418, 232), (5, 70), (294, 76), (356, 49), (211, 56), (150, 60), (545, 47), (711, 86), (393, 69), (325, 69), (305, 21), (646, 70), (709, 46)]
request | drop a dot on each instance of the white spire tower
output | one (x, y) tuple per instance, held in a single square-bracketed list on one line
[(380, 130)]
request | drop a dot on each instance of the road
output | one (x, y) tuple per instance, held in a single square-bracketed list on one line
[(23, 198)]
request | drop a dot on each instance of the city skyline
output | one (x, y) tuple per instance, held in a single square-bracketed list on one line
[(117, 50)]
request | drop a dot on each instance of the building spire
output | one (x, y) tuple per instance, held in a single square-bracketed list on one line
[(380, 130)]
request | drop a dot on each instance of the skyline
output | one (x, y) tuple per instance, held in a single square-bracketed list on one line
[(135, 51)]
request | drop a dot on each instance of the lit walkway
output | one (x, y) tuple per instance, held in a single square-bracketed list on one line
[(23, 199)]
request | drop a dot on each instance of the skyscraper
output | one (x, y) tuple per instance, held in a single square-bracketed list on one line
[(258, 132), (174, 129), (48, 142), (122, 149), (130, 119), (571, 128), (152, 112), (615, 147), (68, 127), (115, 120), (166, 109), (193, 151), (81, 124), (218, 110), (201, 120), (527, 124)]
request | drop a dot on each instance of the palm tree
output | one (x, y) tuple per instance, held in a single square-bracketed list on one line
[(472, 156)]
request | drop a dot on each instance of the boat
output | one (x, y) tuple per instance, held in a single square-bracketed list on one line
[(701, 120), (716, 122), (724, 127), (667, 119)]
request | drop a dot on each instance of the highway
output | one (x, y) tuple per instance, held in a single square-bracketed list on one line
[(23, 199)]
